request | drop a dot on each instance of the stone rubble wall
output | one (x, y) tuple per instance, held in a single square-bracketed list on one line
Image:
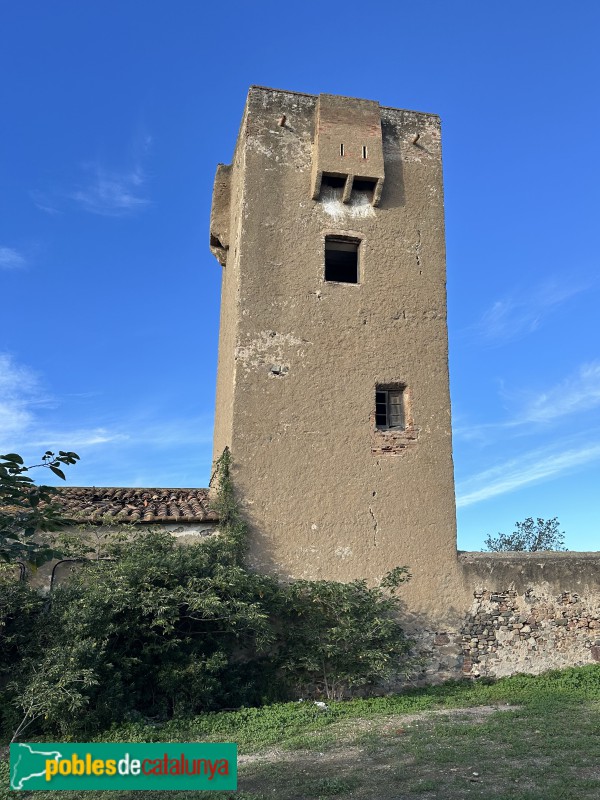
[(507, 632), (515, 613)]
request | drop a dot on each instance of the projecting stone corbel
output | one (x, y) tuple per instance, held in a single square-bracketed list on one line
[(220, 214)]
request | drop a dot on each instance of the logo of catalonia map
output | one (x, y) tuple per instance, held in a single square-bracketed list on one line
[(29, 763)]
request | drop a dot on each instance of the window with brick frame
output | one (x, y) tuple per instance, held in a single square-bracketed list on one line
[(390, 408)]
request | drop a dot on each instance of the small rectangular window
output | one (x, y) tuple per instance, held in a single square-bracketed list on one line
[(341, 259), (389, 409), (364, 151)]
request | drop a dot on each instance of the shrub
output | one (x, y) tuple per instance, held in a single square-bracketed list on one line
[(342, 636), (20, 607), (157, 630)]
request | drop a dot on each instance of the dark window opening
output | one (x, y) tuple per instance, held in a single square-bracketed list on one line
[(364, 151), (333, 181), (341, 259), (341, 149), (364, 185), (389, 409)]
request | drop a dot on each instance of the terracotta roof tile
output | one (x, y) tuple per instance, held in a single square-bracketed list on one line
[(91, 504)]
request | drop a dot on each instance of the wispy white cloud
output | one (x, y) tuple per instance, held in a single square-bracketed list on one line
[(576, 394), (130, 434), (45, 202), (75, 437), (197, 430), (519, 314), (110, 193), (11, 258), (22, 396), (532, 467), (102, 188), (148, 445), (18, 390)]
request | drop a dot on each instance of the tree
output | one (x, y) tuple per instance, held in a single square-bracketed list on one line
[(26, 509), (529, 536)]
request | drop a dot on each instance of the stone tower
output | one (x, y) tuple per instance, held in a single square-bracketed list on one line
[(332, 389)]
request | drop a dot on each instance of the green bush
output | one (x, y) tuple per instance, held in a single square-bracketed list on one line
[(20, 608), (342, 636), (158, 630)]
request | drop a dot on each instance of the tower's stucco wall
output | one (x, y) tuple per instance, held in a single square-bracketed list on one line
[(327, 495)]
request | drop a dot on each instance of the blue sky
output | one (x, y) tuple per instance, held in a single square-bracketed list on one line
[(115, 114)]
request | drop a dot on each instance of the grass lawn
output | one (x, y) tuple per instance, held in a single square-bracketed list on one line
[(522, 738)]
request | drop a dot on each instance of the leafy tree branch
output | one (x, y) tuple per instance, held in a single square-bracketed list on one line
[(529, 536), (27, 509)]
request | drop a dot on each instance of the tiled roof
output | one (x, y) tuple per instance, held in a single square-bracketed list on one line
[(92, 504)]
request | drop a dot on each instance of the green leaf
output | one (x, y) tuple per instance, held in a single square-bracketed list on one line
[(13, 457), (58, 472)]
